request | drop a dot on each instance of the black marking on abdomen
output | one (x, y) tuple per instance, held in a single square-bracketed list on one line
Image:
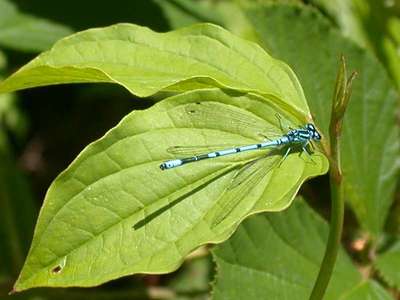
[(188, 159), (203, 156), (193, 158)]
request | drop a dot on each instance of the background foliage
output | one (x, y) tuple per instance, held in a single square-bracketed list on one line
[(278, 254)]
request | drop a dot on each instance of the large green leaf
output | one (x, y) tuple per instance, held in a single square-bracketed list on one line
[(113, 212), (146, 62), (24, 32), (303, 38), (277, 256)]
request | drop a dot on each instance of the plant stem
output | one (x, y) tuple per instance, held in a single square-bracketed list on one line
[(332, 248), (339, 105)]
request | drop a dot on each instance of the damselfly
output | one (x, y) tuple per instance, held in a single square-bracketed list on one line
[(247, 175), (301, 136)]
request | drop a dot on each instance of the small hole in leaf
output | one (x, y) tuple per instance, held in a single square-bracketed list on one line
[(56, 269)]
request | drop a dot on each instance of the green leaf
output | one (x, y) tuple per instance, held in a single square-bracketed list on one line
[(226, 13), (388, 264), (370, 290), (372, 24), (119, 214), (180, 13), (304, 38), (146, 62), (277, 256), (345, 15), (28, 33)]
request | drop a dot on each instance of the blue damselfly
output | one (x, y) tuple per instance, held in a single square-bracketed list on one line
[(249, 174), (301, 136)]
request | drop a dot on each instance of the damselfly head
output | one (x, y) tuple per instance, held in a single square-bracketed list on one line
[(314, 133)]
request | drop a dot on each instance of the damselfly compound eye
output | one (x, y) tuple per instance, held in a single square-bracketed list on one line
[(316, 135), (310, 127)]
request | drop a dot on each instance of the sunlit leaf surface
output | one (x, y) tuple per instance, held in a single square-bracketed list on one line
[(146, 62), (113, 212)]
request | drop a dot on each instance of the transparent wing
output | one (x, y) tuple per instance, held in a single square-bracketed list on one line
[(231, 119), (245, 180), (245, 172)]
